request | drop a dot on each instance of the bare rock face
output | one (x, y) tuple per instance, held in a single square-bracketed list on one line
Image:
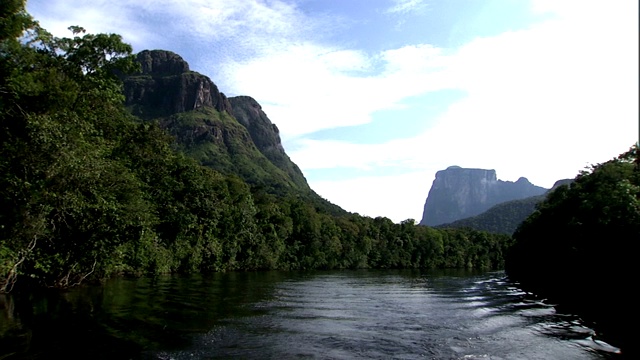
[(166, 86), (264, 133), (458, 193), (162, 63)]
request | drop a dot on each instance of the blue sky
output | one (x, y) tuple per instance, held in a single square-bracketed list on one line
[(373, 97)]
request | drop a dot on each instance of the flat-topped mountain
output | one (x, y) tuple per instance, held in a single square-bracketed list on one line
[(458, 193)]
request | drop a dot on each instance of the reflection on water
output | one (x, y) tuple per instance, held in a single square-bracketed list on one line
[(281, 315)]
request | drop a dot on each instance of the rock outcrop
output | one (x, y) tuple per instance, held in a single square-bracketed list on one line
[(232, 136), (265, 136), (165, 86), (458, 193), (264, 133)]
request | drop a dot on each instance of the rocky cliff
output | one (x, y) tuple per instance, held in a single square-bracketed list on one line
[(231, 135), (189, 106), (165, 85), (458, 193), (265, 135)]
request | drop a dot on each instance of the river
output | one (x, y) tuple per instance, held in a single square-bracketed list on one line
[(364, 314)]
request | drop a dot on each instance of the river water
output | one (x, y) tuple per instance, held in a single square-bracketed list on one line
[(297, 315)]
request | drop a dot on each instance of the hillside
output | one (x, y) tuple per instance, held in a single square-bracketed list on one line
[(504, 218), (231, 135)]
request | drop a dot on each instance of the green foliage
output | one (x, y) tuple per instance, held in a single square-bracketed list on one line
[(571, 225), (66, 201), (218, 141), (578, 246), (503, 218), (14, 20)]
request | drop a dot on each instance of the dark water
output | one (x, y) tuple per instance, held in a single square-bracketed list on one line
[(279, 315)]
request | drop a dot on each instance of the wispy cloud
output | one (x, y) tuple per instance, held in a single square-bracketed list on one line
[(96, 16), (309, 87), (405, 6), (234, 28)]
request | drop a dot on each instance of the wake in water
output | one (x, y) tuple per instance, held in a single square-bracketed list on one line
[(399, 315)]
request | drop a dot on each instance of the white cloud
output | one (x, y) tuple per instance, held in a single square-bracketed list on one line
[(245, 25), (96, 17), (405, 6), (414, 58), (308, 87)]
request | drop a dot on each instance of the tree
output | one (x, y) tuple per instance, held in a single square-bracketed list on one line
[(66, 202), (578, 247)]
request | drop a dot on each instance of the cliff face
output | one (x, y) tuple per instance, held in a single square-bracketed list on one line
[(249, 113), (237, 140), (265, 136), (189, 106), (166, 86), (458, 193)]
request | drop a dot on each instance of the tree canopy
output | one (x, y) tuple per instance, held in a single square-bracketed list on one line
[(578, 247)]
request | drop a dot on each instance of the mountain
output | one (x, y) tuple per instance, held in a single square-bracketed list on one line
[(166, 86), (458, 193), (504, 218), (231, 135)]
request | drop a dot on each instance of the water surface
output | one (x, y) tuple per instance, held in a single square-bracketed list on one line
[(297, 315)]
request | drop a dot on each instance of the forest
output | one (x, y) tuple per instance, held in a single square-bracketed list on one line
[(89, 191), (579, 245)]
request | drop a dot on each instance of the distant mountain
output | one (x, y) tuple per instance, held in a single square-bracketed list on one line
[(505, 217), (458, 193), (230, 135)]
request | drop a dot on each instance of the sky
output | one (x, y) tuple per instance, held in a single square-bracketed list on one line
[(373, 97)]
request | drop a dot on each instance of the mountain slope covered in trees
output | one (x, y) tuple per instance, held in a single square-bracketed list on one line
[(503, 218)]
